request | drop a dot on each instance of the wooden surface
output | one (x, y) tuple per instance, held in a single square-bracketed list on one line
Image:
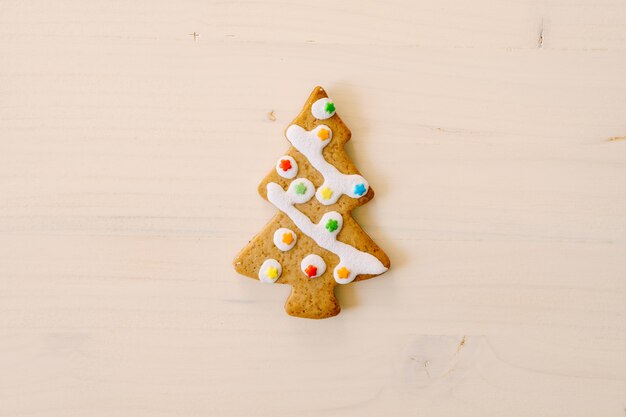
[(494, 134)]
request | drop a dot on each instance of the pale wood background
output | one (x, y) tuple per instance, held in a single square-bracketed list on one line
[(494, 134)]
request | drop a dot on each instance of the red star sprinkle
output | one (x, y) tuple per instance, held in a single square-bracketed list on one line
[(285, 164), (311, 271)]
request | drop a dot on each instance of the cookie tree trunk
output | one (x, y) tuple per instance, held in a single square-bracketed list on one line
[(316, 300)]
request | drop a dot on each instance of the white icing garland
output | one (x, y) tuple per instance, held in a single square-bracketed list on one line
[(310, 144), (352, 262)]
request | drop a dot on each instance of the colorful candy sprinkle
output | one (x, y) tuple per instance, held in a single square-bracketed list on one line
[(287, 167), (326, 193), (359, 189), (300, 188), (323, 109), (311, 271), (313, 266), (284, 239), (287, 238), (323, 134), (285, 164), (331, 225), (272, 272), (343, 272)]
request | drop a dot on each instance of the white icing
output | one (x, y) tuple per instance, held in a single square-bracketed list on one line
[(319, 109), (354, 260), (308, 143), (291, 172), (316, 261), (298, 185), (267, 264), (278, 239)]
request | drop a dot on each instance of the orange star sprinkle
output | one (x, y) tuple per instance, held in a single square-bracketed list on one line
[(323, 134), (343, 272), (287, 238)]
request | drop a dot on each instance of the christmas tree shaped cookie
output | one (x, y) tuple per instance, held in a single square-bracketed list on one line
[(313, 243)]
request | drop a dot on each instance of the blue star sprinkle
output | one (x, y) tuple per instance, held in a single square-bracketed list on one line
[(359, 189)]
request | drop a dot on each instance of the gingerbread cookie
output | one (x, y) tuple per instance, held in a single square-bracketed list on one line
[(313, 243)]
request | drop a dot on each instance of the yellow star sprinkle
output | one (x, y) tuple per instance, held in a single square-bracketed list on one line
[(287, 238), (343, 272), (272, 273), (326, 193), (323, 134)]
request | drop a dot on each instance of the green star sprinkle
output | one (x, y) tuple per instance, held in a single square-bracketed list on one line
[(330, 107), (332, 225), (300, 188)]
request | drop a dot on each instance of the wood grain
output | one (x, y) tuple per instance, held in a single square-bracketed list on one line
[(129, 159)]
